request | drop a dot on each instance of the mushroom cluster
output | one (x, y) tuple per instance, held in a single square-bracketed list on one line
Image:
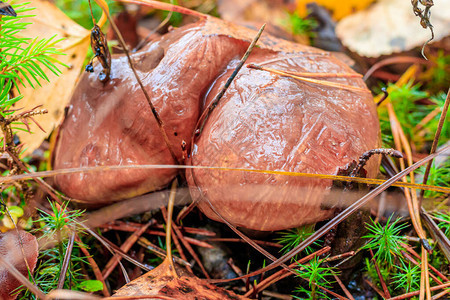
[(265, 121)]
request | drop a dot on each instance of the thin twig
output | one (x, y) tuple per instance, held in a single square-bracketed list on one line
[(190, 250), (93, 265), (162, 253), (204, 117), (125, 247), (343, 287), (380, 277), (166, 6), (185, 211), (415, 293), (284, 273), (52, 173), (394, 60), (343, 215), (114, 249), (235, 240), (161, 25), (176, 241), (66, 261), (173, 191), (374, 287), (310, 80), (436, 141)]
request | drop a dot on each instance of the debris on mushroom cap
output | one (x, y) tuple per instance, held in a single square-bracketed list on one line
[(10, 250), (271, 122)]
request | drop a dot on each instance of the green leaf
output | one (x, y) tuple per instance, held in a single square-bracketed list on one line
[(91, 285), (15, 211)]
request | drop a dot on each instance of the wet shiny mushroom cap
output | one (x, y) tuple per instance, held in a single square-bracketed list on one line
[(276, 123)]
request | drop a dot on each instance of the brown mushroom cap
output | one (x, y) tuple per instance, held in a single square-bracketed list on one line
[(112, 124), (10, 250), (271, 122)]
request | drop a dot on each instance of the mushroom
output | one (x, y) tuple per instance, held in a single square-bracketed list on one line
[(112, 124), (271, 122)]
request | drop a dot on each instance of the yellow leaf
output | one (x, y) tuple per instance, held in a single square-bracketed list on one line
[(340, 9), (54, 95)]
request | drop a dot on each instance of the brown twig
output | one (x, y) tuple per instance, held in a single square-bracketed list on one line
[(343, 287), (284, 273), (416, 263), (114, 249), (394, 60), (189, 248), (415, 293), (235, 240), (169, 226), (66, 261), (380, 277), (198, 243), (207, 112), (374, 287), (177, 243), (93, 264), (343, 215), (112, 263), (162, 253), (166, 6), (185, 211), (441, 294), (436, 141), (310, 80)]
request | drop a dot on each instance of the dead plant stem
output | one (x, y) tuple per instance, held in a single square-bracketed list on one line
[(173, 192), (436, 140)]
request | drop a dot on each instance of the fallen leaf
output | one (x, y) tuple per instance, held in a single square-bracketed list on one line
[(252, 14), (10, 250), (163, 281), (390, 26), (54, 95), (340, 9)]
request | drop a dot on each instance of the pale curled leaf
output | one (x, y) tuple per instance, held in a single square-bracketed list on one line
[(54, 95), (390, 26)]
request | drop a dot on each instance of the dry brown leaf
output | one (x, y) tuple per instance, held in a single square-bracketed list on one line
[(11, 245), (53, 95), (164, 282), (390, 26)]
